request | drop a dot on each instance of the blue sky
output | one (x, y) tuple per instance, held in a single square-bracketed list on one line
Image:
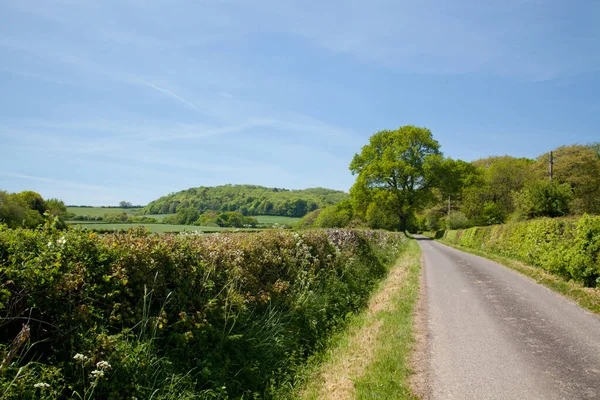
[(115, 100)]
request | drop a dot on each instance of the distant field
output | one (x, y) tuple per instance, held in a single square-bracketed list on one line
[(101, 211), (273, 219), (267, 220), (264, 221), (155, 228), (158, 217)]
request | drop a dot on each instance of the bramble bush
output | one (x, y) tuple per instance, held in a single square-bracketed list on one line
[(136, 315), (564, 246)]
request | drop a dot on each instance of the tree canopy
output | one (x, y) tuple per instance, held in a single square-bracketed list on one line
[(396, 165), (247, 200), (28, 209)]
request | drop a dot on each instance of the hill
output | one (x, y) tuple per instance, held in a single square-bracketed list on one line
[(247, 199)]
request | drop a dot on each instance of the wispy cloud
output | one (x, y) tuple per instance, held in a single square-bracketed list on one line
[(69, 184), (516, 38), (169, 93), (222, 91)]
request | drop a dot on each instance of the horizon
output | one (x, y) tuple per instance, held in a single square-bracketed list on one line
[(129, 100)]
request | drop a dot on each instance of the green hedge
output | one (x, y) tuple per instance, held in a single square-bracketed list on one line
[(175, 316), (567, 247)]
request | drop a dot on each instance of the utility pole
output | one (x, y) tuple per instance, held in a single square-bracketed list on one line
[(551, 166)]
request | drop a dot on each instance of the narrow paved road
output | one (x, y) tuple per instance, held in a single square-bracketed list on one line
[(494, 334)]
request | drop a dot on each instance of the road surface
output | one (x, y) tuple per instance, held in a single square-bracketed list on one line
[(495, 334)]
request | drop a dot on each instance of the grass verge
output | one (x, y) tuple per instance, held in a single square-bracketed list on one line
[(588, 298), (370, 358)]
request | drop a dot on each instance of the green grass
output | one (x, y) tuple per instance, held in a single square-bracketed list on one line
[(264, 221), (267, 220), (390, 323), (588, 298), (154, 228), (274, 219), (387, 376), (158, 217), (101, 211)]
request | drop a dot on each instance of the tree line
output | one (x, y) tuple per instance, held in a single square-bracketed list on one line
[(404, 182), (28, 209), (248, 200)]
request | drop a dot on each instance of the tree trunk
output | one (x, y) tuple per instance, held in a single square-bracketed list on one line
[(403, 220)]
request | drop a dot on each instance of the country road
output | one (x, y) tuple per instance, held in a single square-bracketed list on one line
[(494, 334)]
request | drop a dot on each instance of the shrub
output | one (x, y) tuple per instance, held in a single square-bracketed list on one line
[(234, 219), (542, 198), (309, 220), (567, 247), (456, 220), (334, 217), (175, 316)]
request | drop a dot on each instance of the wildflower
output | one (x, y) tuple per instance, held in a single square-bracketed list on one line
[(97, 373), (41, 385), (62, 241), (103, 365), (79, 357)]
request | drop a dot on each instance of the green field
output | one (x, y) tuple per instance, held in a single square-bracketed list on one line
[(264, 220), (101, 211), (158, 217), (155, 228), (274, 219)]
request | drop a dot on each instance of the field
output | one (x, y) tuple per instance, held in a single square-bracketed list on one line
[(101, 211), (264, 221), (158, 217), (154, 228), (268, 220), (271, 220)]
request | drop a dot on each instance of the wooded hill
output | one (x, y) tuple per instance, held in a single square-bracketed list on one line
[(246, 199)]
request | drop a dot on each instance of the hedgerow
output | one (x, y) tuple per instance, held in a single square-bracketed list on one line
[(566, 247), (136, 315)]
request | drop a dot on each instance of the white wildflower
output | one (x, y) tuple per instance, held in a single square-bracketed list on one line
[(41, 385), (61, 241), (97, 373), (103, 365), (79, 357)]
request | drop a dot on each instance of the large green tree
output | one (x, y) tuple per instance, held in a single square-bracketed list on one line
[(578, 166), (490, 200), (453, 177), (401, 163)]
